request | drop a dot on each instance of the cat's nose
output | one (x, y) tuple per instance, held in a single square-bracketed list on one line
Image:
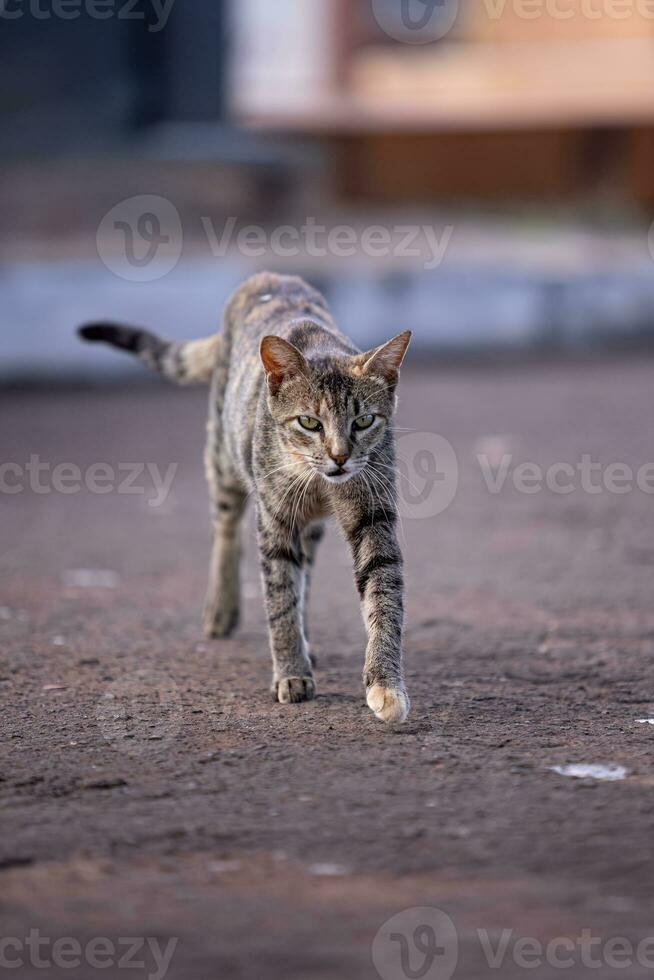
[(340, 460)]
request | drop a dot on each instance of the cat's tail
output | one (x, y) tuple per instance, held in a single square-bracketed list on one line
[(184, 363)]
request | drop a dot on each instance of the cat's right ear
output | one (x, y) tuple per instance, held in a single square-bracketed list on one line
[(280, 360)]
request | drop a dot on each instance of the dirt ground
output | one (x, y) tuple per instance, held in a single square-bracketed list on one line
[(150, 788)]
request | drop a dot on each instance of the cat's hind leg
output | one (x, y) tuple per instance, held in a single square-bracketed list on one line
[(310, 538), (222, 606), (228, 498)]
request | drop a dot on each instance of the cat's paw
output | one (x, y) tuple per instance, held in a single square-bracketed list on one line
[(221, 622), (291, 690), (390, 704)]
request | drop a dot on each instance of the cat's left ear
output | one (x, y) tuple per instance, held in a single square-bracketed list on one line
[(385, 361)]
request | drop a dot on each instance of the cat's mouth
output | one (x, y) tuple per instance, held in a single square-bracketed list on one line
[(339, 474)]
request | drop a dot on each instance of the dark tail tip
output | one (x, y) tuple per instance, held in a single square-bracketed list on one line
[(127, 338), (93, 332)]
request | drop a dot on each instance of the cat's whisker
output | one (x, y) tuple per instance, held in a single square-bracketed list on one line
[(386, 487), (395, 501), (402, 476), (305, 492), (300, 496), (370, 494), (381, 487), (284, 466), (293, 485), (264, 476), (376, 464), (296, 500), (391, 489)]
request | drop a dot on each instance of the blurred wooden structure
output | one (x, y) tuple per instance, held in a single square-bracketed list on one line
[(520, 99)]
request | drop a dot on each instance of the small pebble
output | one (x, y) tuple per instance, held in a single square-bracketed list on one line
[(224, 867), (327, 870)]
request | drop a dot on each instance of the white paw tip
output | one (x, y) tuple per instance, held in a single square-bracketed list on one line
[(390, 704)]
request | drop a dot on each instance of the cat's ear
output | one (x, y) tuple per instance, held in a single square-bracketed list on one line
[(385, 361), (281, 360)]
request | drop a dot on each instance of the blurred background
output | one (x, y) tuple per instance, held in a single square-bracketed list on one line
[(481, 172)]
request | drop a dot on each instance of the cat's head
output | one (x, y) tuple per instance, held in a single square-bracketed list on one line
[(331, 411)]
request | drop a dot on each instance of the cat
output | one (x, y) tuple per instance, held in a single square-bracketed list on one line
[(301, 420)]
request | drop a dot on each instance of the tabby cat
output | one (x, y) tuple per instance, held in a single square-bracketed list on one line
[(308, 436)]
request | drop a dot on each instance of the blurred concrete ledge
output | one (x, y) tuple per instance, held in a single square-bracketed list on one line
[(498, 287)]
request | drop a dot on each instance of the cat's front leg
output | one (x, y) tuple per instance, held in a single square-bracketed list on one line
[(370, 530), (283, 584)]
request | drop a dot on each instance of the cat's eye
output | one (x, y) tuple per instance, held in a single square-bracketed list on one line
[(312, 425), (364, 422)]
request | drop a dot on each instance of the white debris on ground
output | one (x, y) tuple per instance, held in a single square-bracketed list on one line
[(90, 578), (583, 771), (224, 867), (328, 870)]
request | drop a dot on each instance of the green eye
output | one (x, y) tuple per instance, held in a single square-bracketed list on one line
[(364, 422), (308, 423)]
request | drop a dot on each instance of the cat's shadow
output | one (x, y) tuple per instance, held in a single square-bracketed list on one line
[(338, 698), (420, 726)]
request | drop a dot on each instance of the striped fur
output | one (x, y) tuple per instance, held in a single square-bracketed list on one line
[(280, 358), (190, 363)]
